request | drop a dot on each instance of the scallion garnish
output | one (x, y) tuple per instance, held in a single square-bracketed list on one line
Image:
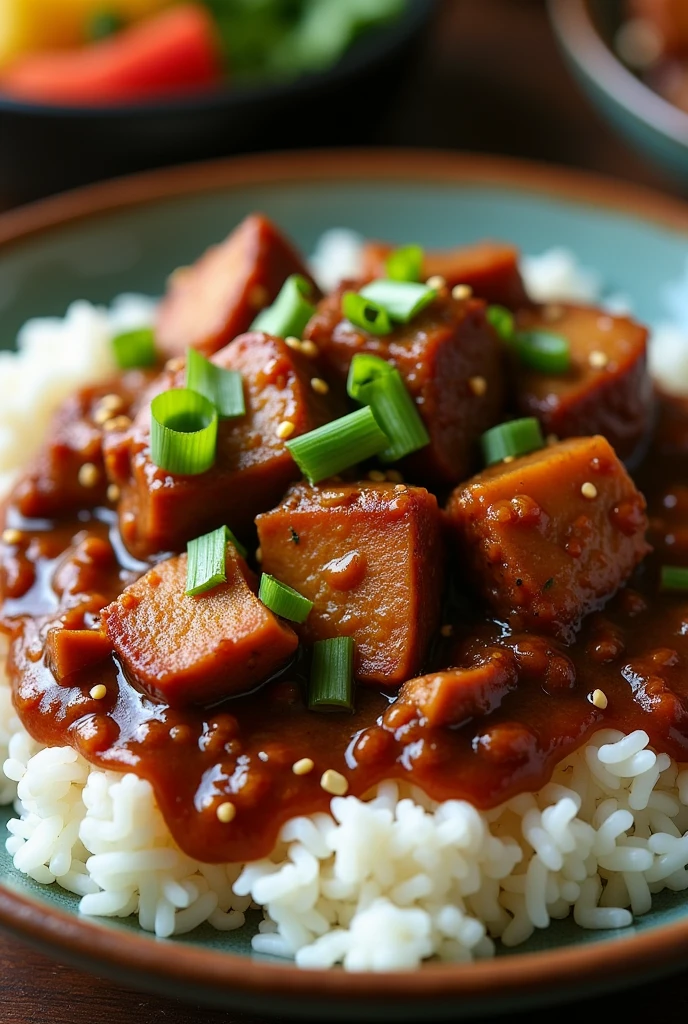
[(207, 560), (674, 577), (508, 440), (290, 312), (329, 449), (183, 432), (332, 675), (135, 349), (372, 381), (543, 351), (366, 314), (405, 264), (283, 600), (224, 388), (402, 300), (502, 320)]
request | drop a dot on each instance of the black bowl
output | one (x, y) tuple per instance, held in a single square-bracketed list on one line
[(45, 149)]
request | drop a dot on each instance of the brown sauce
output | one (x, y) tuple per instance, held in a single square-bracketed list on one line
[(636, 651)]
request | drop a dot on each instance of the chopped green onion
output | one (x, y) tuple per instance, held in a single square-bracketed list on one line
[(674, 577), (337, 445), (543, 351), (290, 312), (183, 432), (402, 300), (224, 388), (134, 349), (363, 313), (103, 24), (332, 675), (405, 264), (282, 600), (518, 437), (364, 370), (502, 320), (396, 413), (206, 560)]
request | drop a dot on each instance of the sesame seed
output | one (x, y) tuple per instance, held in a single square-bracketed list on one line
[(333, 782), (285, 429), (394, 476), (377, 475), (447, 630), (320, 386), (259, 555), (461, 292), (598, 359), (551, 439), (599, 699), (508, 458), (478, 385), (400, 487), (303, 766), (437, 282), (112, 402), (117, 423), (177, 363), (310, 349), (293, 343), (552, 312), (98, 691), (89, 475), (10, 536), (226, 812), (113, 493), (101, 415), (588, 490)]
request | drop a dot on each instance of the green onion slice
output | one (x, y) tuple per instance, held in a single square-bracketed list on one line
[(365, 369), (397, 414), (518, 437), (405, 264), (363, 313), (402, 300), (207, 560), (337, 445), (183, 432), (224, 388), (290, 312), (502, 320), (543, 351), (674, 577), (135, 349), (282, 600), (332, 675)]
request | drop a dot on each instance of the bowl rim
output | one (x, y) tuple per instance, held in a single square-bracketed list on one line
[(383, 40), (224, 974), (579, 36)]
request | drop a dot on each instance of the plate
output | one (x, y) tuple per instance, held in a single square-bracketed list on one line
[(128, 235)]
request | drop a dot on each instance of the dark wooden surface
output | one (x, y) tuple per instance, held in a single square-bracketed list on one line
[(490, 80)]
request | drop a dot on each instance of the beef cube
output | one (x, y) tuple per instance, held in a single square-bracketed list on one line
[(451, 362), (253, 468), (369, 556), (607, 389), (196, 650), (489, 268), (552, 535), (69, 650), (218, 298)]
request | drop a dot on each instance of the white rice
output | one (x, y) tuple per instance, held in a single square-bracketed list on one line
[(376, 884)]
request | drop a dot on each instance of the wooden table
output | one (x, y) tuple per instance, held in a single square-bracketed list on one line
[(490, 79)]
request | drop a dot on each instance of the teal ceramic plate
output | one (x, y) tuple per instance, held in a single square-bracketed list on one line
[(128, 236)]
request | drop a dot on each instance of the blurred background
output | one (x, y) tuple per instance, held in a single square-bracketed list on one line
[(91, 89)]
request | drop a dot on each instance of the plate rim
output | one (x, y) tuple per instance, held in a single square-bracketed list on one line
[(142, 956)]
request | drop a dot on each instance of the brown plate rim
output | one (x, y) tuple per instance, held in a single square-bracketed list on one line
[(578, 34), (228, 973)]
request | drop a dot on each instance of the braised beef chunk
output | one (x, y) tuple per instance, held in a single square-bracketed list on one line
[(253, 468), (607, 389), (489, 268), (552, 535), (211, 302), (451, 362), (370, 557), (453, 696), (196, 650), (70, 650)]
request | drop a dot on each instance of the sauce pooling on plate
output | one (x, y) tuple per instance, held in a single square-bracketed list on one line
[(492, 616)]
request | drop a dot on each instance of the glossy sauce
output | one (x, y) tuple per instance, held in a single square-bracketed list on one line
[(636, 651)]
